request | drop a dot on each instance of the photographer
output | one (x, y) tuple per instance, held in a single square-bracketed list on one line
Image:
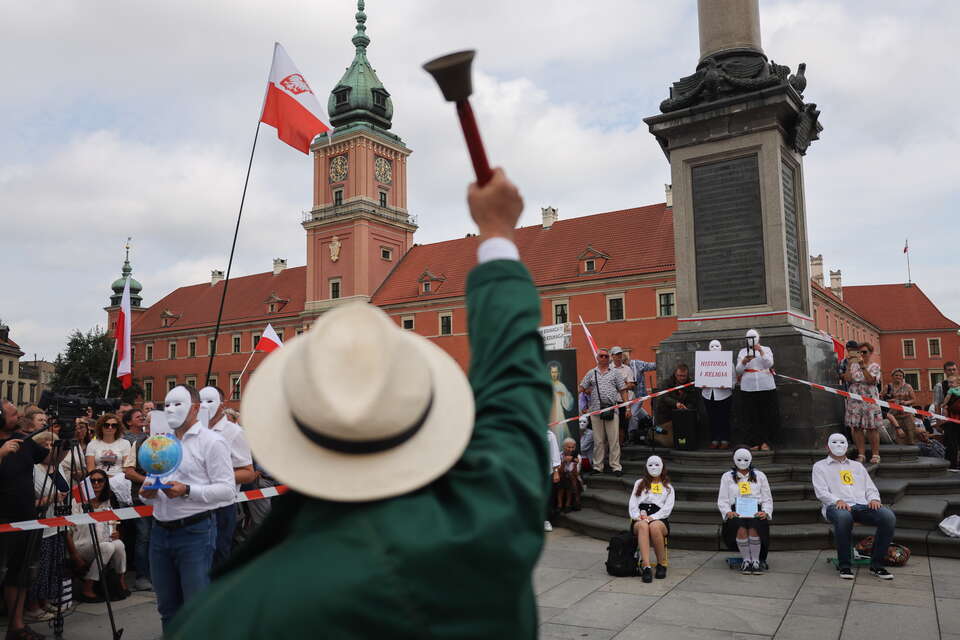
[(758, 393), (17, 457), (603, 386), (862, 377)]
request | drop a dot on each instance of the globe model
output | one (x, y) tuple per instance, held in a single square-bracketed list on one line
[(160, 455)]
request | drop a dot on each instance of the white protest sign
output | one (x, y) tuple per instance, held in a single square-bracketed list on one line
[(555, 336), (713, 369)]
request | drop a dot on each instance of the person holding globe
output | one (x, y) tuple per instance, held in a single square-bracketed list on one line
[(183, 541)]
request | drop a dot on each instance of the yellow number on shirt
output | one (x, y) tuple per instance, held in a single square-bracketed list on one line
[(846, 477), (744, 488), (656, 488)]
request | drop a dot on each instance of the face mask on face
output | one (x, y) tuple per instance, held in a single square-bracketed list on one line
[(654, 466), (838, 445), (176, 407), (715, 345), (753, 337), (742, 459), (210, 398)]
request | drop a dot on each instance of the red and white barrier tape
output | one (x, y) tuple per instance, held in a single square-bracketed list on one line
[(126, 513), (622, 404), (879, 403)]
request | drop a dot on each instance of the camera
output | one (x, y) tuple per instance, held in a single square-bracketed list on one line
[(72, 402)]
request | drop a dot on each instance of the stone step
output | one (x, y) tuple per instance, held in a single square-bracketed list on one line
[(708, 474), (782, 538), (704, 512), (921, 468), (919, 512)]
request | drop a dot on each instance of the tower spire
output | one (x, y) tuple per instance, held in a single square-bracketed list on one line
[(126, 274), (360, 38)]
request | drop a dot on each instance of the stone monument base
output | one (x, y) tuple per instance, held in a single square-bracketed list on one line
[(807, 416)]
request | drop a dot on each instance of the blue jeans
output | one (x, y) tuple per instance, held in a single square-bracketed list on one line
[(883, 519), (180, 562), (141, 548), (226, 526)]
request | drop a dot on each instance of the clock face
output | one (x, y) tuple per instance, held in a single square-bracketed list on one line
[(338, 168), (383, 170)]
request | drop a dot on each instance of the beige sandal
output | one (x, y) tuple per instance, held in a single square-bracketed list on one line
[(861, 459), (875, 460)]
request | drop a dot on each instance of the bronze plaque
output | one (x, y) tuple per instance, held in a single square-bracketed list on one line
[(728, 234), (791, 228)]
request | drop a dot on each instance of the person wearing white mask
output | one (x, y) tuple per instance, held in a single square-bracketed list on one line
[(240, 458), (184, 536), (717, 401), (849, 495), (761, 413), (651, 503), (747, 532)]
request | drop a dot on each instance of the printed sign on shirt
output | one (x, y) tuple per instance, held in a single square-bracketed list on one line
[(713, 369), (846, 477), (744, 488), (656, 488)]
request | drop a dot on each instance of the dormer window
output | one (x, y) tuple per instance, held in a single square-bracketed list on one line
[(591, 261), (167, 318), (589, 265), (379, 98), (429, 282), (426, 286), (275, 303), (341, 96)]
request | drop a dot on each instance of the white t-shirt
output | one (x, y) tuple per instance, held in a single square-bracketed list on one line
[(111, 457)]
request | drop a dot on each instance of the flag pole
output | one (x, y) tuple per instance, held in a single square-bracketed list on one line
[(906, 250), (244, 370), (113, 357), (233, 247)]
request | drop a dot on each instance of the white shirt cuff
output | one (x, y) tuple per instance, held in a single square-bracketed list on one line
[(497, 248)]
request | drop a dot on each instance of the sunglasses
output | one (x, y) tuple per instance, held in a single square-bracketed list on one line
[(112, 425), (97, 481)]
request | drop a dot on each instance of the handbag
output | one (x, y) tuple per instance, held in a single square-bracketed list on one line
[(897, 554), (607, 415)]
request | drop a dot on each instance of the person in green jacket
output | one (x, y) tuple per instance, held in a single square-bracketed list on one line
[(422, 522)]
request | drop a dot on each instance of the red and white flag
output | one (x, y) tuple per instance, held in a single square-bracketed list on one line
[(269, 340), (906, 245), (290, 105), (593, 343), (122, 333)]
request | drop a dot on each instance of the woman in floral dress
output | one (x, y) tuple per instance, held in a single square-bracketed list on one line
[(862, 377)]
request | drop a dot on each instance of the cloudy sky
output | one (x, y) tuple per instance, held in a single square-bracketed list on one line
[(128, 117)]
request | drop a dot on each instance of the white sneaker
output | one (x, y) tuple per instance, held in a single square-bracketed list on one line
[(547, 526), (746, 568)]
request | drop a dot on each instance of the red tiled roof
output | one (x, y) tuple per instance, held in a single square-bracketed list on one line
[(197, 304), (896, 307), (637, 240), (10, 343)]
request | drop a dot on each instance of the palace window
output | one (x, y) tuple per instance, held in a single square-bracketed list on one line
[(338, 197), (407, 322), (171, 383), (148, 390), (426, 286), (446, 324), (383, 198), (334, 288), (559, 312), (211, 346), (666, 304), (341, 96), (234, 387), (615, 307), (173, 350), (589, 265), (933, 347), (192, 349), (913, 379), (191, 381), (909, 348), (236, 344), (386, 254), (936, 377)]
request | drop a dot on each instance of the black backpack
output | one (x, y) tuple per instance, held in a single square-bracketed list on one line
[(622, 555)]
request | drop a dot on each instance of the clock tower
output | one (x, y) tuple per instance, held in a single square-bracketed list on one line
[(358, 228)]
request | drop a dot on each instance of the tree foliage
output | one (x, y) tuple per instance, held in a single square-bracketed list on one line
[(86, 362)]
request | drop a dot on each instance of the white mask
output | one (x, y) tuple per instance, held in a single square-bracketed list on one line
[(753, 337), (176, 406), (210, 398), (742, 459), (654, 466), (715, 345), (837, 443)]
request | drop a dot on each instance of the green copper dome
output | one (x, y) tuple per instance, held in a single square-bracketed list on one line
[(118, 284), (360, 96)]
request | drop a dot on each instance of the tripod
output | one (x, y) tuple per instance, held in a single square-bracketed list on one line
[(59, 449)]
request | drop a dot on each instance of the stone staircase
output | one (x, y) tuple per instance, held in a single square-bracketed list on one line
[(921, 491)]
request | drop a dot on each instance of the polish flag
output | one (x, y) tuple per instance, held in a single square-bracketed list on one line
[(269, 340), (906, 246), (593, 343), (122, 331), (290, 105)]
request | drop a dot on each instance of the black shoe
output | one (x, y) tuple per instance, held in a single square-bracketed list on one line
[(618, 473), (647, 574), (607, 471), (881, 573), (577, 507), (661, 572), (846, 573), (764, 566)]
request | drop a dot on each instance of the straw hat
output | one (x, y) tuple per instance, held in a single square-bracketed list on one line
[(358, 409)]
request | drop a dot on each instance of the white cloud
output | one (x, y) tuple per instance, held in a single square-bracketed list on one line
[(138, 121)]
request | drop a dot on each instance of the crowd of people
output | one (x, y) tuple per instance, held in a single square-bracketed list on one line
[(97, 469)]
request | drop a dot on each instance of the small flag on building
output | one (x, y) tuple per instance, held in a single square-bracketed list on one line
[(290, 105), (906, 245), (593, 343), (269, 340), (122, 334)]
